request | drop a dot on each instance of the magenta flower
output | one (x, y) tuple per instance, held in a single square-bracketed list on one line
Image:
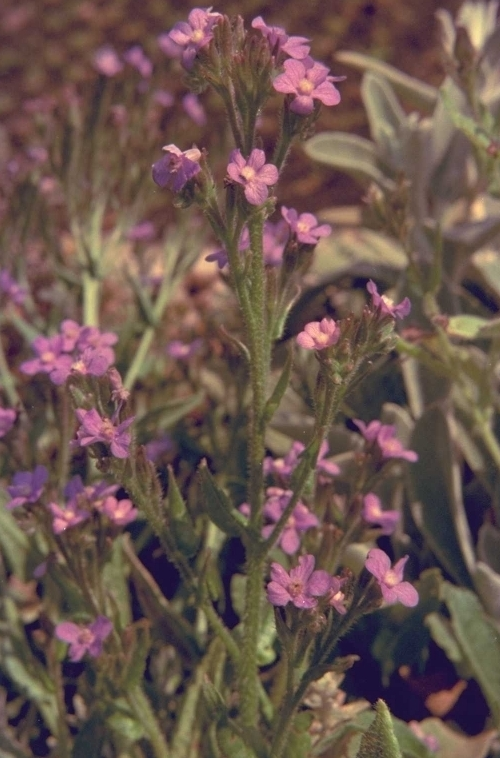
[(84, 639), (96, 429), (194, 109), (385, 305), (284, 467), (51, 359), (301, 586), (336, 597), (373, 514), (177, 167), (93, 361), (326, 469), (382, 435), (183, 350), (164, 98), (308, 81), (254, 174), (70, 332), (64, 518), (279, 41), (10, 288), (319, 334), (187, 38), (107, 61), (390, 580), (369, 431), (26, 487), (145, 230), (7, 418), (121, 512), (136, 57), (305, 226), (300, 520)]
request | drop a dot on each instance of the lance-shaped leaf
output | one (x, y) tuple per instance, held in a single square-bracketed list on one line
[(349, 153), (380, 741), (218, 505), (386, 118), (179, 520)]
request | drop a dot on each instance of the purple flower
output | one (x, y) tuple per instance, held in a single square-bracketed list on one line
[(64, 518), (305, 226), (183, 350), (84, 639), (7, 418), (295, 47), (391, 579), (51, 359), (194, 109), (96, 429), (300, 520), (254, 174), (373, 514), (156, 448), (137, 58), (336, 597), (308, 81), (326, 469), (219, 257), (284, 467), (121, 512), (369, 431), (301, 586), (187, 38), (177, 167), (145, 230), (382, 435), (273, 242), (26, 487), (385, 305), (107, 61), (91, 336), (319, 334), (70, 332), (10, 288), (164, 98), (94, 361)]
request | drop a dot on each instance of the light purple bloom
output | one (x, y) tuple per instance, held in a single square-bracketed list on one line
[(95, 429), (318, 335), (51, 359), (187, 38), (219, 257), (382, 435), (183, 350), (284, 467), (390, 580), (84, 639), (301, 586), (305, 226), (295, 47), (7, 418), (145, 230), (156, 448), (194, 109), (300, 520), (164, 98), (91, 336), (64, 518), (385, 305), (27, 487), (254, 174), (336, 597), (274, 239), (326, 469), (93, 361), (373, 514), (121, 512), (10, 288), (107, 61), (369, 431), (308, 81), (177, 167), (139, 60), (70, 332)]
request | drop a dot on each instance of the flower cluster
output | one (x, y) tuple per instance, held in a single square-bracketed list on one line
[(382, 438), (82, 501), (76, 349)]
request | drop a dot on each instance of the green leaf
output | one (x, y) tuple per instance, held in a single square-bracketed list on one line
[(356, 251), (172, 412), (479, 640), (436, 488), (418, 94), (386, 118), (299, 741), (14, 543), (380, 741), (355, 156), (90, 739), (115, 579), (466, 326), (218, 505), (453, 744), (123, 721), (487, 584), (180, 523), (442, 634)]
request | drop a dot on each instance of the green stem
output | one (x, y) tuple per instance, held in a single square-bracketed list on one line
[(142, 709), (8, 382), (91, 298), (139, 357)]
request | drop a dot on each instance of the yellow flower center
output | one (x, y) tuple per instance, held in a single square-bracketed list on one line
[(248, 173), (197, 35), (391, 578), (305, 87)]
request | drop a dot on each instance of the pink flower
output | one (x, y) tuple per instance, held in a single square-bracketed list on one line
[(273, 241), (93, 361), (194, 109), (319, 334), (183, 350), (121, 512), (139, 60), (301, 586), (187, 38), (279, 41), (369, 431), (254, 174), (145, 230), (336, 597), (385, 305), (96, 429), (308, 81), (326, 469), (107, 61), (64, 518), (300, 520), (50, 359), (84, 639), (177, 167), (382, 435), (7, 418), (305, 226), (284, 467), (373, 514), (390, 580), (10, 288)]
